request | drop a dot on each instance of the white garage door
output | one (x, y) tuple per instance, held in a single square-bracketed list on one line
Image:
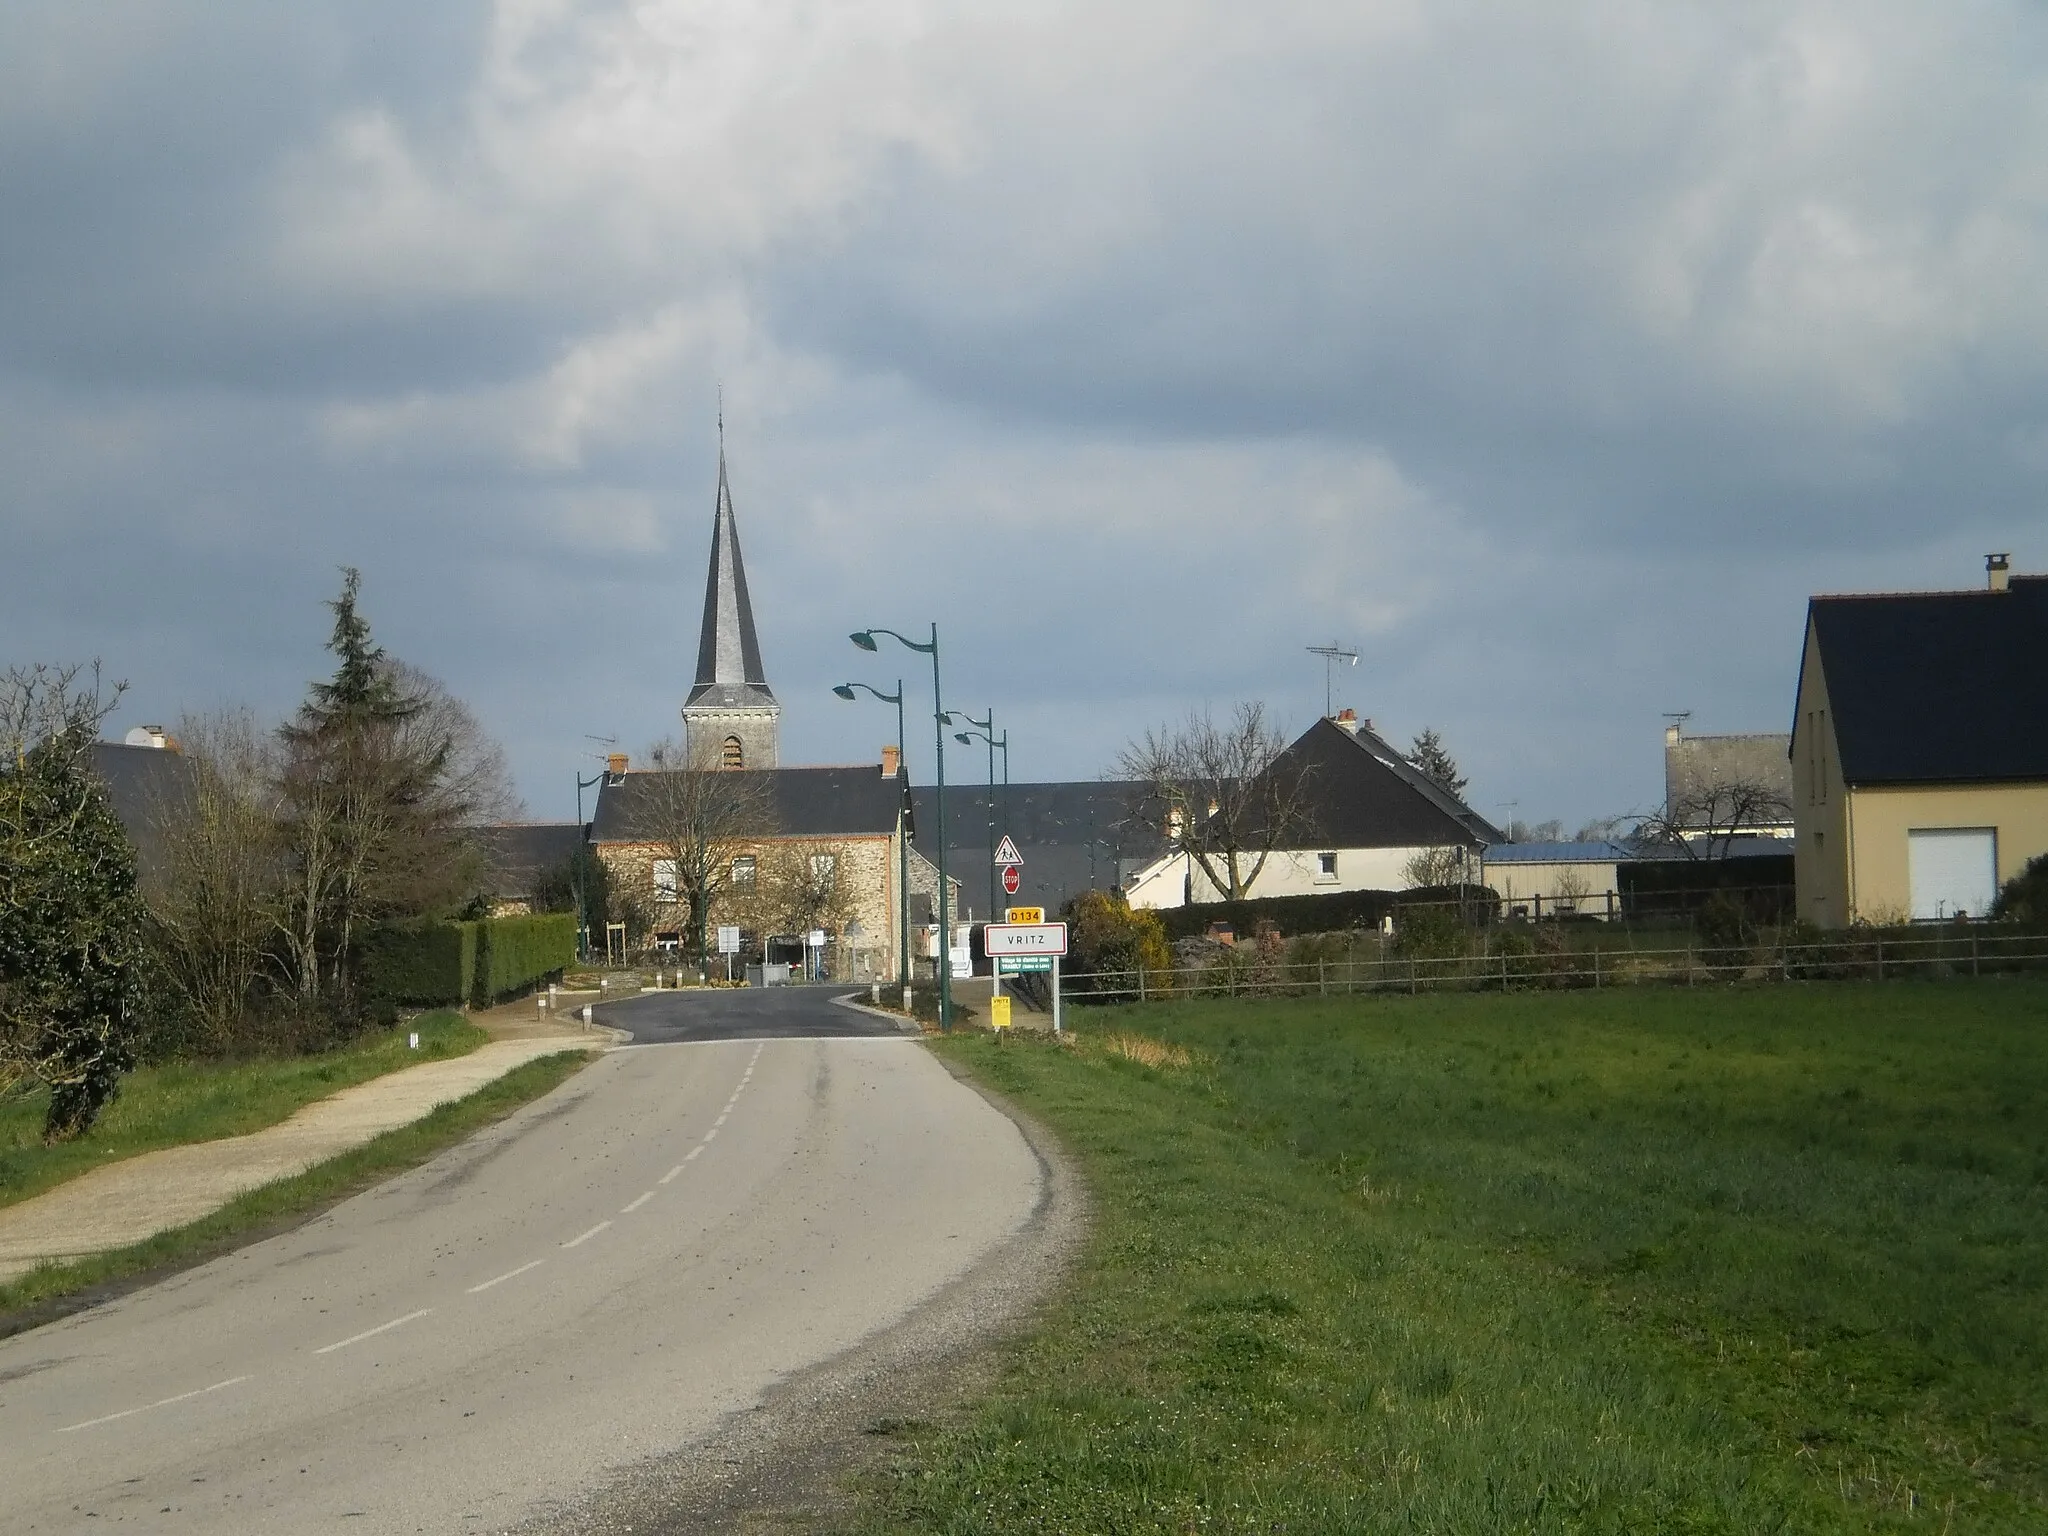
[(1953, 869)]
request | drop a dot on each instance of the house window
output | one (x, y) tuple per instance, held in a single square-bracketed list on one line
[(1326, 868), (743, 870), (665, 888), (822, 867)]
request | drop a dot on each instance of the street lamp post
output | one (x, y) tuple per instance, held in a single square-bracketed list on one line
[(582, 853), (984, 731), (845, 691), (865, 639)]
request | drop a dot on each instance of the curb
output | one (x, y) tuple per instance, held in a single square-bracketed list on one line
[(903, 1025)]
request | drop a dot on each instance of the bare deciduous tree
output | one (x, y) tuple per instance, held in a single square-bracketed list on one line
[(699, 820), (216, 899), (1227, 794), (1705, 821), (1436, 866)]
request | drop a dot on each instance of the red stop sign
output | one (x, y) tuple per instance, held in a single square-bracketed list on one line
[(1012, 878)]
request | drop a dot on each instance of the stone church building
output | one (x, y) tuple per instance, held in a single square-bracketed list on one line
[(816, 848)]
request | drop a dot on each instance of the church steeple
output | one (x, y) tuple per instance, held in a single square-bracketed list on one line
[(731, 717)]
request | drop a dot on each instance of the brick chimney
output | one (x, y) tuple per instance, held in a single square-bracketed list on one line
[(1346, 720), (892, 759), (615, 765), (1998, 571)]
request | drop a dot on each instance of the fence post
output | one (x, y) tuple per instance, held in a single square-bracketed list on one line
[(1411, 975), (1973, 954), (1596, 968), (1323, 978), (1141, 983), (1880, 959)]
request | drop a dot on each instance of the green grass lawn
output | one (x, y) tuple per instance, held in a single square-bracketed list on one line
[(1718, 1261), (202, 1101)]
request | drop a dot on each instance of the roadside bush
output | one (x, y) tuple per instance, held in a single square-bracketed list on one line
[(1324, 913), (514, 954), (426, 965), (1105, 934)]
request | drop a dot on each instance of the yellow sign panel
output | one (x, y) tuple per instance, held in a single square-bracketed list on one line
[(999, 1012), (1024, 915)]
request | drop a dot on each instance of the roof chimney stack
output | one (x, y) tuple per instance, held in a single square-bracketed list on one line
[(1998, 571), (1346, 720), (615, 765), (892, 760)]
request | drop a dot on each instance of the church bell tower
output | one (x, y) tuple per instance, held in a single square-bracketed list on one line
[(731, 719)]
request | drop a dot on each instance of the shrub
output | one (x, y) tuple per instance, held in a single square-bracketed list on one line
[(516, 953), (425, 965), (1104, 933), (1428, 932), (2025, 896), (1727, 932)]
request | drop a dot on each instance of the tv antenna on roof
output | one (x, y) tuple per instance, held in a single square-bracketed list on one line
[(1331, 654)]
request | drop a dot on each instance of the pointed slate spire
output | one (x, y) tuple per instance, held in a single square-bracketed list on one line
[(729, 667)]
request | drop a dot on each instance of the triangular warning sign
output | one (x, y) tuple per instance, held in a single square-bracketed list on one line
[(1006, 852)]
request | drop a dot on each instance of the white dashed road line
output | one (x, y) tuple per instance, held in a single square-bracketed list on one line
[(182, 1397), (510, 1274), (371, 1333)]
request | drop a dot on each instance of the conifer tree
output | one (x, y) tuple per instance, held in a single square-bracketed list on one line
[(1430, 758)]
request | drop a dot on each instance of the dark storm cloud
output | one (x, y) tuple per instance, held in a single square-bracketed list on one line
[(1550, 354)]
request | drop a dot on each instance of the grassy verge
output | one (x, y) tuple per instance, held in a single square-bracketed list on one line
[(183, 1102), (1725, 1261), (47, 1292)]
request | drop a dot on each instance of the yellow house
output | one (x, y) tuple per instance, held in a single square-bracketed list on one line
[(1920, 750)]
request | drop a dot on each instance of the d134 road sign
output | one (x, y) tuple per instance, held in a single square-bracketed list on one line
[(1012, 878), (1024, 915)]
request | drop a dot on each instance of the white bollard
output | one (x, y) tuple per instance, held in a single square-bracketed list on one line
[(413, 1040)]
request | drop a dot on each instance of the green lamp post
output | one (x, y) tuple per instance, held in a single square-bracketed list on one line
[(846, 691), (983, 731), (865, 639)]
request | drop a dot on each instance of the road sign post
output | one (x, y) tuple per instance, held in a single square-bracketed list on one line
[(1025, 942)]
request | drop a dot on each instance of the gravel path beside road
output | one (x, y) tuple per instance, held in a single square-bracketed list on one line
[(131, 1201)]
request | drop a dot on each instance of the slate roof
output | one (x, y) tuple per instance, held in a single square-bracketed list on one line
[(729, 667), (847, 801), (517, 854), (1362, 793), (144, 785), (1938, 687), (1074, 836)]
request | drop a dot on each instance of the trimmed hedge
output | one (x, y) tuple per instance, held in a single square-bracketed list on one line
[(1322, 913), (428, 966), (516, 953), (480, 963)]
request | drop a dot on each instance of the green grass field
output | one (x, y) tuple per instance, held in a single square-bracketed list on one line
[(1718, 1261), (185, 1102)]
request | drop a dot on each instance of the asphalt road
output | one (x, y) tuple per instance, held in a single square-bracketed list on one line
[(745, 1013), (595, 1283)]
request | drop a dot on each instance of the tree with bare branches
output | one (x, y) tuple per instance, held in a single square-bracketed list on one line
[(1704, 821), (698, 821), (215, 900), (1225, 793)]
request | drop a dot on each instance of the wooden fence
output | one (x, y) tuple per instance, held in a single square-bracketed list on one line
[(1242, 973)]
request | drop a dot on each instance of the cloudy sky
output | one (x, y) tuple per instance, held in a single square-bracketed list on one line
[(1547, 354)]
